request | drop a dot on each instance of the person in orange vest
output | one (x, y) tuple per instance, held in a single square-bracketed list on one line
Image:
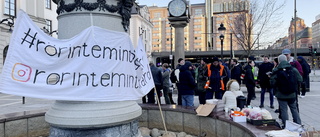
[(216, 73)]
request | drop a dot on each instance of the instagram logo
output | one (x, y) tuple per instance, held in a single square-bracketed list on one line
[(21, 72)]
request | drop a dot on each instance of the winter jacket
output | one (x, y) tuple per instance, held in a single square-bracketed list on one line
[(249, 78), (236, 71), (297, 65), (263, 78), (305, 67), (186, 80), (166, 78), (201, 77), (157, 75), (277, 93), (229, 97)]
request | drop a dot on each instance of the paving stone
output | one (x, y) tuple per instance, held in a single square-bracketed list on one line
[(1, 129), (236, 132), (208, 126), (143, 119), (155, 120), (174, 121), (223, 129), (17, 128), (191, 124)]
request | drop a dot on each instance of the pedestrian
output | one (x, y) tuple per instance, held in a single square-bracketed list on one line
[(264, 81), (201, 79), (249, 80), (166, 82), (306, 80), (284, 80), (181, 62), (297, 65), (255, 71), (216, 73), (157, 78), (236, 70), (227, 78), (186, 84)]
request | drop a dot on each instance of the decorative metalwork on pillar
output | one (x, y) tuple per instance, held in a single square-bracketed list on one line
[(123, 8)]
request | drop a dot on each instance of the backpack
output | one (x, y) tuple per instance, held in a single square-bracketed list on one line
[(286, 81), (173, 77)]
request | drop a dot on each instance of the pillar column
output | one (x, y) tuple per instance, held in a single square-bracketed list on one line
[(94, 119), (179, 39)]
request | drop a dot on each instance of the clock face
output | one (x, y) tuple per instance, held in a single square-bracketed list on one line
[(177, 7)]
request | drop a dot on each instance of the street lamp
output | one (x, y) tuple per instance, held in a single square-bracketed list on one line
[(171, 56), (221, 30)]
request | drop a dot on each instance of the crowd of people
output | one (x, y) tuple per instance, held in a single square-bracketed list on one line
[(283, 78)]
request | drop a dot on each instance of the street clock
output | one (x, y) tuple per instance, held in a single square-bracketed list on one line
[(177, 8)]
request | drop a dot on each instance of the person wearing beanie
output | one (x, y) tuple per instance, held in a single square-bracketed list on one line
[(186, 84), (216, 73), (229, 97), (285, 99)]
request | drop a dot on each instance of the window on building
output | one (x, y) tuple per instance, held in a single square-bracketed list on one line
[(157, 15), (10, 7), (49, 25), (198, 11), (48, 4)]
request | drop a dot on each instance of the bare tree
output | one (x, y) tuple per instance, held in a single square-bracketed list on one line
[(258, 20)]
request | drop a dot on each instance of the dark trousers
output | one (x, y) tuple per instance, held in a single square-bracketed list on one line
[(283, 105), (251, 91), (170, 97), (151, 96), (217, 94), (202, 97), (263, 91), (179, 100)]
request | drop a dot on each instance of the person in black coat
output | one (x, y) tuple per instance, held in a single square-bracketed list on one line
[(236, 70), (306, 80), (264, 81), (157, 78), (249, 80), (186, 84)]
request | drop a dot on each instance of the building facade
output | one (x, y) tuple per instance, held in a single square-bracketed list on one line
[(42, 12), (316, 32), (303, 34), (163, 37), (140, 26), (226, 12)]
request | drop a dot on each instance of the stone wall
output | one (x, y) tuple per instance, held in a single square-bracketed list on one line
[(179, 119), (24, 124)]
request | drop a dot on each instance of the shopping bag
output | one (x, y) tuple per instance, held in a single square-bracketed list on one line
[(294, 127)]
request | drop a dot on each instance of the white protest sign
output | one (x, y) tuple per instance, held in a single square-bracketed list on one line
[(95, 65)]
